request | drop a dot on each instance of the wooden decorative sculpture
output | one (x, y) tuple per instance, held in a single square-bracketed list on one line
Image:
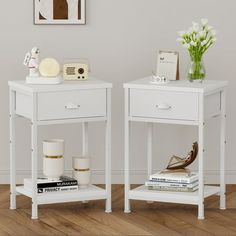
[(177, 163)]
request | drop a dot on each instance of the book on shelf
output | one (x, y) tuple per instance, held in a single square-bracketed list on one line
[(174, 177), (57, 189), (64, 181), (170, 184), (173, 189)]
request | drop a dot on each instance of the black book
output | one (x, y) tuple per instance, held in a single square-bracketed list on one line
[(45, 183)]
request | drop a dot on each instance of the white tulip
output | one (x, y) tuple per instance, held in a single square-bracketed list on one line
[(181, 33), (204, 42), (193, 43), (213, 40), (181, 40), (213, 32), (204, 21), (202, 34), (186, 45), (195, 26), (209, 27)]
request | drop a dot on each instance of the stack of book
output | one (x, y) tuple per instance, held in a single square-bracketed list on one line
[(45, 185), (173, 181)]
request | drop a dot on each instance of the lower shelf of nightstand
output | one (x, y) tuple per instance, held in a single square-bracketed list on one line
[(142, 193), (83, 194)]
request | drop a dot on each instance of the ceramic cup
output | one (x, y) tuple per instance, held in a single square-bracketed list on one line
[(53, 161), (81, 173)]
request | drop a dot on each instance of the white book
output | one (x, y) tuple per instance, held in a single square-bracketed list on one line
[(55, 189), (174, 177), (173, 189), (170, 184)]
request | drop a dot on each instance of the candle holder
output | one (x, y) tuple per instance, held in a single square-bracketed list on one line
[(53, 161), (81, 172)]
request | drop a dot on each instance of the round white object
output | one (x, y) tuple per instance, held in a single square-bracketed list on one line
[(83, 178), (53, 168), (49, 67), (81, 163), (53, 147)]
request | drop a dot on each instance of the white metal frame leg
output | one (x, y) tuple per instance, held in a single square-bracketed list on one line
[(34, 161), (201, 158), (222, 151), (149, 151), (126, 154), (108, 153), (85, 139), (12, 151), (85, 142)]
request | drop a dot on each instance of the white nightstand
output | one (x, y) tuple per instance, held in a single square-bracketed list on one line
[(69, 102), (178, 102)]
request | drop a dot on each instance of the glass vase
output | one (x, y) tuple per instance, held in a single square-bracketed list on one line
[(196, 70)]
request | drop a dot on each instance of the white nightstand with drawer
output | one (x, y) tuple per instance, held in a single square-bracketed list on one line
[(69, 102), (178, 102)]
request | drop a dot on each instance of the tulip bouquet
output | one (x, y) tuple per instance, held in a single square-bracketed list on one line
[(197, 40)]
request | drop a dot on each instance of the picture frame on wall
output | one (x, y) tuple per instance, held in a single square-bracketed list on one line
[(64, 12)]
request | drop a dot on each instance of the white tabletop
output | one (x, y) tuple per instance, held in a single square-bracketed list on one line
[(91, 83), (178, 85)]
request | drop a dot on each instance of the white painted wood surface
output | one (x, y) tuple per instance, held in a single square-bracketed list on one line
[(95, 95), (195, 102)]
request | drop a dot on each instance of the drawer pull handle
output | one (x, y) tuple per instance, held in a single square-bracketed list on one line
[(72, 106), (163, 106)]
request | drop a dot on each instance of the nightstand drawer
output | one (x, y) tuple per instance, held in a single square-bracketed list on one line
[(72, 104), (163, 104)]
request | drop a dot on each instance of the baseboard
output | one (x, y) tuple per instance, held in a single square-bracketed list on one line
[(136, 177)]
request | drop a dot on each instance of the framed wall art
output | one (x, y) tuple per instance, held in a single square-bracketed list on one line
[(59, 12)]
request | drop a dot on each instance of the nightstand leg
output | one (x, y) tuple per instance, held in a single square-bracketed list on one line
[(34, 171), (201, 159), (222, 152), (108, 153), (85, 143), (85, 139), (12, 151), (34, 159), (126, 154), (149, 151)]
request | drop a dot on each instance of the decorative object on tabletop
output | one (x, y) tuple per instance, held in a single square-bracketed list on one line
[(32, 62), (59, 11), (176, 162), (81, 173), (197, 40), (53, 161), (76, 69), (167, 67), (156, 79), (49, 69)]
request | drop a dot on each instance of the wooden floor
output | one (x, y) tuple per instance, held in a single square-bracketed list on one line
[(90, 219)]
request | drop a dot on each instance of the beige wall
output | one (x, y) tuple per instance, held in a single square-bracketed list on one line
[(121, 39)]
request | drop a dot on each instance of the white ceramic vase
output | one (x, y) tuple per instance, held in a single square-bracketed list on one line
[(53, 161), (81, 173)]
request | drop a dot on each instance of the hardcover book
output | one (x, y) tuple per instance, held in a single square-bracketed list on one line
[(170, 184), (46, 183), (173, 177), (57, 189), (173, 189)]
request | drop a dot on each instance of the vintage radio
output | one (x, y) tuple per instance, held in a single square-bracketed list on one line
[(75, 71)]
